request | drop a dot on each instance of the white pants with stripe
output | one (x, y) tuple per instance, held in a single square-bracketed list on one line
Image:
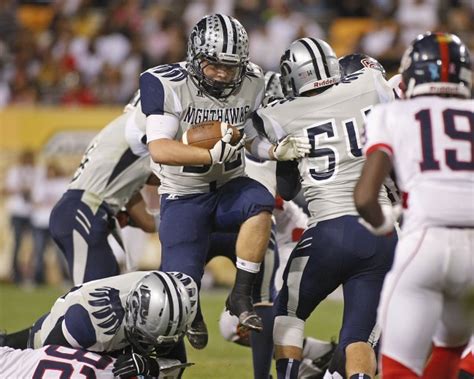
[(424, 295)]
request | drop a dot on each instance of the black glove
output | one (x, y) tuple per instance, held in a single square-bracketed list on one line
[(133, 364)]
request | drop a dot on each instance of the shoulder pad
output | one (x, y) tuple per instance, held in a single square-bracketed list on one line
[(175, 72)]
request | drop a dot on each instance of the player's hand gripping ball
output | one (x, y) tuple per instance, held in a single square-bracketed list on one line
[(207, 134)]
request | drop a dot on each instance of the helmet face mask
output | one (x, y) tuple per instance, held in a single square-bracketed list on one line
[(218, 40), (159, 310), (436, 64), (309, 63)]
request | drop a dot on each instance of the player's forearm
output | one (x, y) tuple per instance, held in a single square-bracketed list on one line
[(261, 148), (175, 153), (366, 193), (139, 214), (371, 212), (288, 179)]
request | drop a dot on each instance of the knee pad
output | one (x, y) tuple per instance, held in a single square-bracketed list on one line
[(288, 331)]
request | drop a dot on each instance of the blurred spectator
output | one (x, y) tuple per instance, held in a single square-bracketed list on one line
[(195, 10), (352, 8), (81, 51), (383, 42), (76, 92), (48, 188), (19, 182), (112, 44), (8, 20), (270, 40), (416, 17)]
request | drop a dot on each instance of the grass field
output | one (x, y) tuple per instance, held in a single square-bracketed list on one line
[(221, 359)]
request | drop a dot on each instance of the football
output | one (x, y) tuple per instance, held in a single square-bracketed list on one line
[(207, 134)]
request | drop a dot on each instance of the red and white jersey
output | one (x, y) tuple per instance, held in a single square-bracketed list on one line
[(467, 359), (291, 221), (54, 362), (431, 142)]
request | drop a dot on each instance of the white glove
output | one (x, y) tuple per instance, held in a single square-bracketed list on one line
[(391, 215), (223, 151), (291, 147)]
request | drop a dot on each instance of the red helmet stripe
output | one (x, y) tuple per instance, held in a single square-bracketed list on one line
[(444, 52)]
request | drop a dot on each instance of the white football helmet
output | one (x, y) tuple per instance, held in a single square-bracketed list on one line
[(159, 309), (218, 39), (309, 63)]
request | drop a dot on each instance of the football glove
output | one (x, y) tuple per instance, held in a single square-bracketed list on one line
[(391, 215), (291, 147), (132, 364), (223, 151)]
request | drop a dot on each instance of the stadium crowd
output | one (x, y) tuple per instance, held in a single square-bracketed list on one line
[(89, 52), (338, 129)]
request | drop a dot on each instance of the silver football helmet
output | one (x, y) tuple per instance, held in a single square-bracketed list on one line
[(159, 310), (273, 85), (218, 39), (309, 63)]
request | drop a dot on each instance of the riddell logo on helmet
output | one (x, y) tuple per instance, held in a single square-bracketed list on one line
[(324, 83), (443, 90)]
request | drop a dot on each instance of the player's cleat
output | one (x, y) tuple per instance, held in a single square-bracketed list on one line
[(243, 309), (322, 363), (197, 334)]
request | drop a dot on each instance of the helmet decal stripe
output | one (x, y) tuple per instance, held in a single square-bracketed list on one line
[(171, 303), (444, 53), (323, 57), (181, 310), (234, 36), (313, 58), (224, 33)]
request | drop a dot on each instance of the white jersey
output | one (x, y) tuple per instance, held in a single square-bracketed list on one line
[(51, 362), (92, 314), (168, 91), (263, 172), (431, 141), (333, 121), (116, 163)]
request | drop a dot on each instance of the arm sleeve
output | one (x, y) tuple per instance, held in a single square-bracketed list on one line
[(160, 122), (377, 132), (288, 179)]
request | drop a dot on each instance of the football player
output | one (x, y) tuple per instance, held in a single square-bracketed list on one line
[(428, 138), (114, 167), (351, 66), (145, 313), (53, 360), (335, 249), (203, 190), (466, 367), (289, 222)]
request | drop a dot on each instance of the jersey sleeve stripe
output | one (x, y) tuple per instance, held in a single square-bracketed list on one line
[(387, 149)]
